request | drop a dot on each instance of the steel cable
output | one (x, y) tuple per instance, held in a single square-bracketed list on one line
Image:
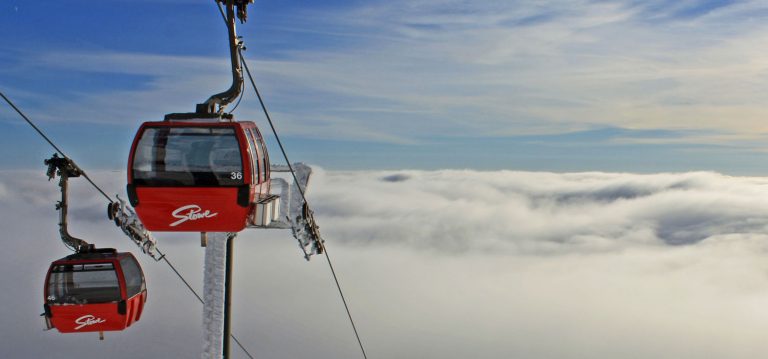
[(303, 196), (301, 191), (162, 255)]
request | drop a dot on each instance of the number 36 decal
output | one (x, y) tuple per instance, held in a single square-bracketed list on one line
[(236, 175)]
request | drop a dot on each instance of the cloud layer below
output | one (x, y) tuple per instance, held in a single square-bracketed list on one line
[(441, 264), (539, 212)]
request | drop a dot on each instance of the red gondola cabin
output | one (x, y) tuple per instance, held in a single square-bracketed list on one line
[(197, 175), (96, 291)]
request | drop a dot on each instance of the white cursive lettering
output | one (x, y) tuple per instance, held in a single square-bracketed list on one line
[(195, 213), (87, 320)]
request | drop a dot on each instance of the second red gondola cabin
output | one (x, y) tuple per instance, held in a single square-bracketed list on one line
[(94, 291)]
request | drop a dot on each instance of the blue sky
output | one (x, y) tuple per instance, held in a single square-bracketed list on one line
[(659, 265), (560, 86)]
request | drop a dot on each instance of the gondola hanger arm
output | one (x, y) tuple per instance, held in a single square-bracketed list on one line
[(216, 103), (65, 168)]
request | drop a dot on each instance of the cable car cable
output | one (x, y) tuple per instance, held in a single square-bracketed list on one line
[(53, 145), (240, 98), (293, 174), (162, 255), (199, 298), (303, 196), (271, 125), (32, 124), (221, 10)]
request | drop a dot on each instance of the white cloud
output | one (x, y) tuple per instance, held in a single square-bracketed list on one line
[(526, 212), (411, 70), (449, 264), (173, 84), (502, 68)]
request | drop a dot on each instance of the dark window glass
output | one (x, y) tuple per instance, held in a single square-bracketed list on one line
[(254, 152), (83, 284), (188, 156), (134, 280), (264, 158)]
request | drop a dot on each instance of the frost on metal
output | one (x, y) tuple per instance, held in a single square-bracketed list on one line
[(125, 218), (294, 212), (213, 294)]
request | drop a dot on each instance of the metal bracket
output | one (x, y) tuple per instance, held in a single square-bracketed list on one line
[(64, 168), (294, 212), (217, 102), (125, 218)]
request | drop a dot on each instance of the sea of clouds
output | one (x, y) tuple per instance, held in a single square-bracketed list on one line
[(537, 212), (438, 264)]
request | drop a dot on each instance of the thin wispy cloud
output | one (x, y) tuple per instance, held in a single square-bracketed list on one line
[(420, 69), (680, 83), (521, 68)]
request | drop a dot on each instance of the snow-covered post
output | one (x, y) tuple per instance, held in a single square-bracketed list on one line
[(215, 295)]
